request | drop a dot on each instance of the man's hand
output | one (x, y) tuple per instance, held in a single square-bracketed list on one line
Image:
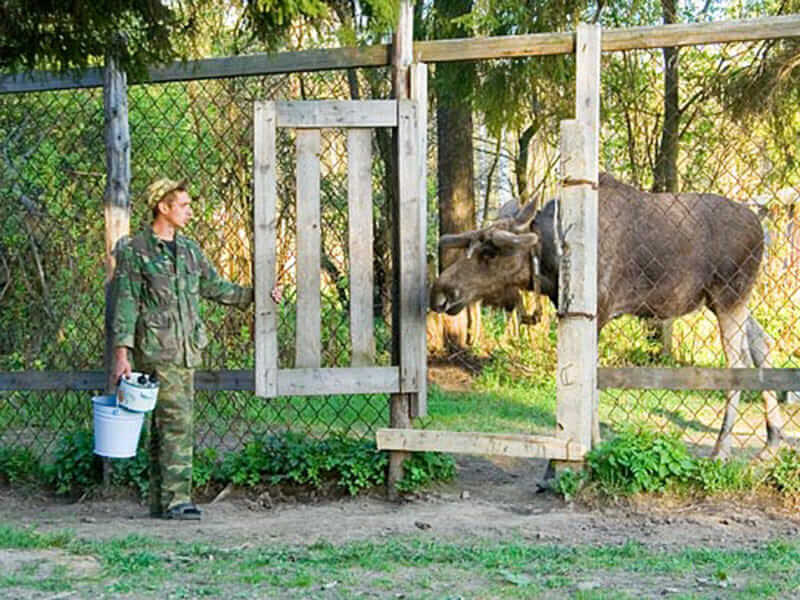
[(121, 365), (277, 294)]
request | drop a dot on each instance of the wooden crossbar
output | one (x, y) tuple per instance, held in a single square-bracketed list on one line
[(503, 444)]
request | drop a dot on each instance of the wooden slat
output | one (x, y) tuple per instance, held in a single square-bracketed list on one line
[(645, 378), (418, 77), (696, 378), (309, 345), (359, 192), (537, 44), (412, 281), (577, 304), (265, 216), (337, 113), (529, 446), (327, 381)]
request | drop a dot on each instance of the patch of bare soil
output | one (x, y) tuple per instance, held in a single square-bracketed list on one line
[(494, 499)]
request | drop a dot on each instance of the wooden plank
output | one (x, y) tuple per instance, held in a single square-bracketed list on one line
[(587, 111), (696, 378), (412, 277), (309, 345), (326, 381), (537, 44), (264, 223), (576, 373), (360, 242), (528, 446), (645, 378), (418, 78), (337, 113)]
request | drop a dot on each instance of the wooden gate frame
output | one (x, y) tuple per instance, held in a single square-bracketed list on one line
[(576, 372), (363, 376)]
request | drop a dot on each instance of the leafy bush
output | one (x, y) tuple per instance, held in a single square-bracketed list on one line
[(133, 472), (18, 464), (424, 468), (714, 476), (641, 461), (784, 473), (75, 466), (568, 483)]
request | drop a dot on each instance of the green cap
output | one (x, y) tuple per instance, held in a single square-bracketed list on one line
[(161, 187)]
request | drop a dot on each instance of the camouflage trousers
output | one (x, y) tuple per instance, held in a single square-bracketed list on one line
[(171, 438)]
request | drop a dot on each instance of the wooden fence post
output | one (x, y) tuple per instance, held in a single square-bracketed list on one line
[(576, 226), (116, 198), (399, 404)]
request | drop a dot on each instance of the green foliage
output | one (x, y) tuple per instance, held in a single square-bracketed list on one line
[(784, 473), (133, 472), (18, 465), (75, 466), (714, 476), (568, 483), (634, 462), (424, 468)]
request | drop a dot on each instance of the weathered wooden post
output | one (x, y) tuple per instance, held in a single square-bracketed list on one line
[(399, 404), (116, 198), (576, 374)]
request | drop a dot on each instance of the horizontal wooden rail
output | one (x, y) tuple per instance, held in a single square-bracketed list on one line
[(502, 444), (538, 44), (319, 114), (291, 382), (695, 378)]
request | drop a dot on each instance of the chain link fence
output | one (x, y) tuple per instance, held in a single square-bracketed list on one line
[(52, 177), (52, 245)]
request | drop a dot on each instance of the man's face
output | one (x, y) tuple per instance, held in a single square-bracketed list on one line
[(179, 212)]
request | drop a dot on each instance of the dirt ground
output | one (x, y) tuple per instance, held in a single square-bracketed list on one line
[(494, 499)]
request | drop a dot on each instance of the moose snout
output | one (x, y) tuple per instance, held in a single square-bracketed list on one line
[(445, 299)]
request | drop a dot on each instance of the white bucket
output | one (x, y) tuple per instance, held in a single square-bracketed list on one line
[(135, 396), (116, 430)]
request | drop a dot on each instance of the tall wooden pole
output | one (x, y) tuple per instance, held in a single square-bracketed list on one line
[(576, 224), (116, 199), (399, 404)]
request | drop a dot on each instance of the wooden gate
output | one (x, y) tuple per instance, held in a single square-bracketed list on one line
[(309, 377)]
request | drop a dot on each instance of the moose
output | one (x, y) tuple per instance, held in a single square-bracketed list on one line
[(660, 256)]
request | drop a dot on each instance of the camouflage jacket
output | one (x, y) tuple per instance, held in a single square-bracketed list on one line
[(157, 299)]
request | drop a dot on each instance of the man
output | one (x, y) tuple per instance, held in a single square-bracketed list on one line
[(159, 280)]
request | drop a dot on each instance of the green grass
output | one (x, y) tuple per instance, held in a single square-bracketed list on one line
[(414, 566)]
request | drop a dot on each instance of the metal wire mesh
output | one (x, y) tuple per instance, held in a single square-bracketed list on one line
[(724, 150), (52, 245)]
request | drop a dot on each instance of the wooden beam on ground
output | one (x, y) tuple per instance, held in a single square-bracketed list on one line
[(696, 378), (502, 444), (515, 46)]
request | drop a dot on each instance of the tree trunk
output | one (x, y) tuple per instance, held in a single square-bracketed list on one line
[(455, 167), (666, 168)]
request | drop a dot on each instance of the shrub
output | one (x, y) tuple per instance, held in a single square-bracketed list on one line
[(18, 465), (641, 461), (784, 473), (424, 468), (75, 467)]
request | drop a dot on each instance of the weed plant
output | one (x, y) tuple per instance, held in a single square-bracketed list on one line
[(635, 462), (352, 465)]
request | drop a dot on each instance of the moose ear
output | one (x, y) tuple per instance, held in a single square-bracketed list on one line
[(507, 240), (509, 210), (522, 220)]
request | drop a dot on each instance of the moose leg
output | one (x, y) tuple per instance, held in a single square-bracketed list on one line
[(733, 331), (758, 344)]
